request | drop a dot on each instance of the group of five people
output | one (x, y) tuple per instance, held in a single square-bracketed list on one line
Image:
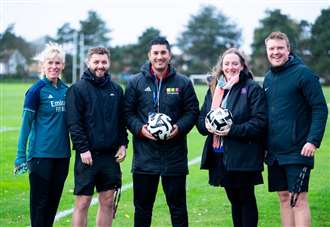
[(282, 124)]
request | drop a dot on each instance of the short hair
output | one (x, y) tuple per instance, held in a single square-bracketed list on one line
[(278, 35), (97, 50), (160, 40), (51, 50)]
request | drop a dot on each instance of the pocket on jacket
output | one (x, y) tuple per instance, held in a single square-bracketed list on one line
[(173, 102), (283, 139)]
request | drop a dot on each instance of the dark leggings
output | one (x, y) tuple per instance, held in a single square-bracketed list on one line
[(243, 206), (47, 177)]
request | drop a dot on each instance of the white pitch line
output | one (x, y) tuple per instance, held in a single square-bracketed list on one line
[(125, 187), (7, 129)]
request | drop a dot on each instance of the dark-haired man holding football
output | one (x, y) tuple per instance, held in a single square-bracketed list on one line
[(159, 88)]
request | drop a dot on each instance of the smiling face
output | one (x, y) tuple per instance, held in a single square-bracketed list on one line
[(98, 64), (52, 67), (277, 52), (231, 65), (159, 57)]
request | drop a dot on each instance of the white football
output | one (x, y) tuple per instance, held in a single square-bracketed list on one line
[(219, 119), (159, 125)]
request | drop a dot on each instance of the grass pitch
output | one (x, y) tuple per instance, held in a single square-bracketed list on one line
[(208, 206)]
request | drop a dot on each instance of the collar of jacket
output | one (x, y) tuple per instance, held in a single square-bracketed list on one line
[(96, 81), (166, 73), (59, 82), (245, 75), (146, 69)]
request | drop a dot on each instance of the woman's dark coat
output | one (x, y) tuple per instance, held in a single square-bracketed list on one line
[(243, 146)]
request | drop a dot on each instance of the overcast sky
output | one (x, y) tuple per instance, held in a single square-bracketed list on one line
[(129, 18)]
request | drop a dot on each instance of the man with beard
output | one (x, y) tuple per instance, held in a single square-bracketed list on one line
[(158, 88), (97, 128), (297, 115)]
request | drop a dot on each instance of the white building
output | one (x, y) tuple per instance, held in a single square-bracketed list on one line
[(11, 60)]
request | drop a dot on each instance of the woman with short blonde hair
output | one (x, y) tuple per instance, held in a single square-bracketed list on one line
[(44, 130)]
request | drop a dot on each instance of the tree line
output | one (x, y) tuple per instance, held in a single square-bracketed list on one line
[(206, 35)]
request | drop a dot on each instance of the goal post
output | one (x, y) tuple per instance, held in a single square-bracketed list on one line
[(199, 78), (202, 79)]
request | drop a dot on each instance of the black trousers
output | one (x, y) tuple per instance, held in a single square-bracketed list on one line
[(243, 206), (145, 190), (47, 177)]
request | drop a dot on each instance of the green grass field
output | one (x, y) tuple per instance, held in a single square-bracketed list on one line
[(208, 206)]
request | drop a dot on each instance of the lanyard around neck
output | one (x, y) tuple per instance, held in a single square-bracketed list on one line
[(156, 93)]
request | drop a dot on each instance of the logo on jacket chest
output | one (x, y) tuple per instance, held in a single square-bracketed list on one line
[(59, 105), (244, 91), (172, 90), (147, 89)]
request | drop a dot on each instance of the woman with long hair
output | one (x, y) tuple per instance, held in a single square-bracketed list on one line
[(234, 156)]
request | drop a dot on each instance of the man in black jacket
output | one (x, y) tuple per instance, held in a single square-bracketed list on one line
[(95, 120), (159, 88), (297, 115)]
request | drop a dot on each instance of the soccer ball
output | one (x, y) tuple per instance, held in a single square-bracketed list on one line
[(159, 125), (219, 119)]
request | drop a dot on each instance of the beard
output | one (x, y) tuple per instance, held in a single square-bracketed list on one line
[(99, 72)]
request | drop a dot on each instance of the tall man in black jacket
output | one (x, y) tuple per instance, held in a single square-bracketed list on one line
[(159, 88), (297, 115), (95, 119)]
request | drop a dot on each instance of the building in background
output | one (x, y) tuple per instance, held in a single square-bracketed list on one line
[(12, 62)]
